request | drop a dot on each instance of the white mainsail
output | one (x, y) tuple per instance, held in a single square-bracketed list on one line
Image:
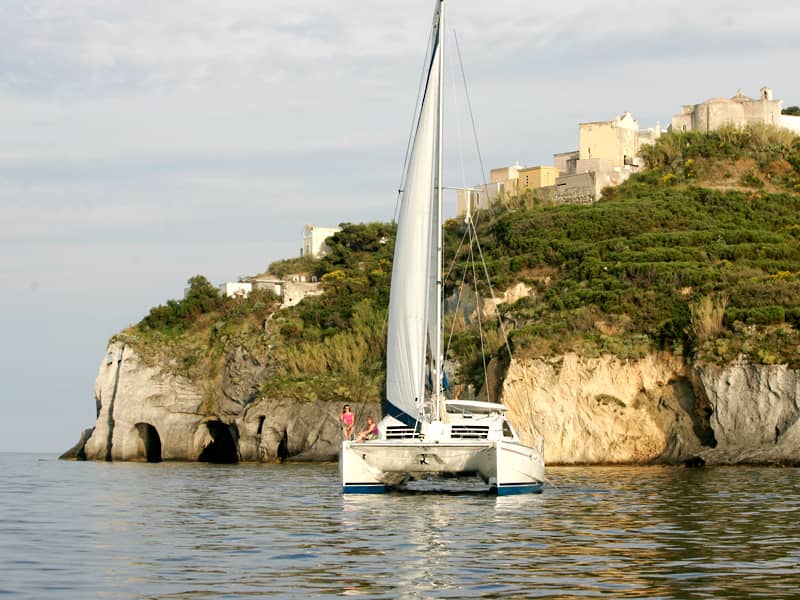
[(413, 275)]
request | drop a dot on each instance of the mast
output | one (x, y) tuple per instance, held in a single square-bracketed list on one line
[(438, 367)]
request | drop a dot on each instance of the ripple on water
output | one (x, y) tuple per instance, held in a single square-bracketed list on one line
[(207, 531)]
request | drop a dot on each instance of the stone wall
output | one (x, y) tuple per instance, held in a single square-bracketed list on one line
[(580, 188)]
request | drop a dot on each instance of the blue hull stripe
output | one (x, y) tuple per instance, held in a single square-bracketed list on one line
[(509, 489), (363, 488)]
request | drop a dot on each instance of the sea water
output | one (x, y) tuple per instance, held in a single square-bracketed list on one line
[(116, 530)]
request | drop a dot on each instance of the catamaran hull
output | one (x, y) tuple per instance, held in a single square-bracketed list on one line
[(373, 467)]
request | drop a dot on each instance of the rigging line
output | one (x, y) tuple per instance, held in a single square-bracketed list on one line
[(491, 289), (472, 120), (531, 424), (455, 256), (478, 313), (459, 134), (414, 119), (458, 304)]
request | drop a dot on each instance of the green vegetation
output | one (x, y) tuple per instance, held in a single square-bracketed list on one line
[(758, 156), (662, 263), (791, 110), (698, 255), (333, 345), (176, 316), (192, 337)]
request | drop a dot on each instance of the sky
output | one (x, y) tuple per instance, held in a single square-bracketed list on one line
[(143, 142)]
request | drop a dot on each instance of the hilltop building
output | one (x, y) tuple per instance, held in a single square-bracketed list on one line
[(291, 289), (738, 111), (532, 178), (314, 240), (607, 155), (236, 289), (503, 181), (650, 135), (614, 142)]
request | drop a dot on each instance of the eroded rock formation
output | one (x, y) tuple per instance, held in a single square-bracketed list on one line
[(148, 414), (658, 409)]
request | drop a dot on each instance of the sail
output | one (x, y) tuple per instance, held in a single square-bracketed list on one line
[(409, 298)]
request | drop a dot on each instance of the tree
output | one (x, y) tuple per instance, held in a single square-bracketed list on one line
[(791, 110), (201, 297)]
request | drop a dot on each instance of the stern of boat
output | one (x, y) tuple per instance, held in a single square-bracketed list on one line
[(356, 475), (519, 469)]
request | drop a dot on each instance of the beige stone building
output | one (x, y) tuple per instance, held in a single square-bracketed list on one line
[(506, 178), (609, 150), (608, 154), (615, 141), (650, 135), (567, 162), (738, 111), (537, 177), (502, 181), (475, 198)]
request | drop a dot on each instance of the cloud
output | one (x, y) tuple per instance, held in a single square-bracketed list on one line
[(147, 141)]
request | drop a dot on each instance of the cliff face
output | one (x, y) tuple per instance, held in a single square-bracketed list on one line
[(144, 413), (655, 410), (658, 409), (756, 413)]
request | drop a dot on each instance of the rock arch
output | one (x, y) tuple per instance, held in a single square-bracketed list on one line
[(282, 451), (142, 443), (217, 442)]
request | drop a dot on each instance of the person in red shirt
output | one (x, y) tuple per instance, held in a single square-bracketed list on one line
[(348, 422)]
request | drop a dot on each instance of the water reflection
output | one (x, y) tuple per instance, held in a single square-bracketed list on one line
[(205, 531)]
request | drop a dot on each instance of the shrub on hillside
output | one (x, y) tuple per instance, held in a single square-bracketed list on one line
[(681, 156), (201, 298)]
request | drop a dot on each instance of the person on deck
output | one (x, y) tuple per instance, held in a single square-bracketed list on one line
[(370, 433), (348, 422)]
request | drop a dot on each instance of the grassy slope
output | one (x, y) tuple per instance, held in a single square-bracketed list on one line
[(700, 254), (683, 256)]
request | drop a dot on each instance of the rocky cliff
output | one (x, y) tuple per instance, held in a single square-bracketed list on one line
[(144, 413), (658, 409)]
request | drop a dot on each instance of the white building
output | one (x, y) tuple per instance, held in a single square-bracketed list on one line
[(236, 289), (295, 292), (791, 122), (314, 240), (268, 282)]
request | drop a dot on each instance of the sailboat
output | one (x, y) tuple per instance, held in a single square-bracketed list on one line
[(423, 433)]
